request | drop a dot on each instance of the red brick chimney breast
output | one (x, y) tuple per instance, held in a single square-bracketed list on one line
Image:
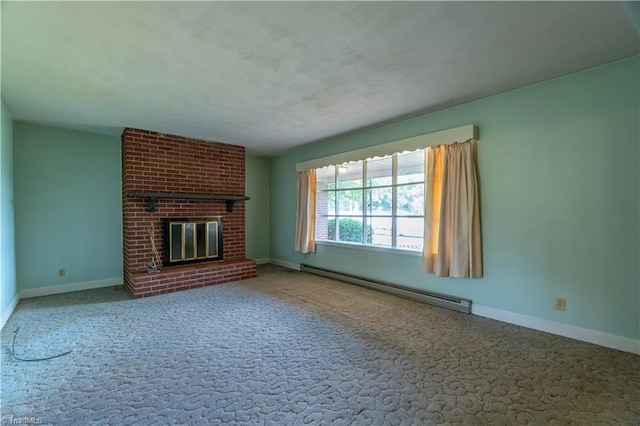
[(156, 162)]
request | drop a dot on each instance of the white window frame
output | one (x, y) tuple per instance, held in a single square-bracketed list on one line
[(366, 218)]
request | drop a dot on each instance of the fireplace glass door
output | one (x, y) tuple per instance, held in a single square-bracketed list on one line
[(192, 240)]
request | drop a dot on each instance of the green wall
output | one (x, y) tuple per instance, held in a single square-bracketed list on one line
[(68, 187), (559, 185), (68, 206), (257, 209), (9, 288)]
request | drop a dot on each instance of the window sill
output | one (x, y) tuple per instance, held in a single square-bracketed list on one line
[(403, 252)]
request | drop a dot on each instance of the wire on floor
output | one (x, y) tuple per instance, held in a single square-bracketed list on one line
[(13, 351)]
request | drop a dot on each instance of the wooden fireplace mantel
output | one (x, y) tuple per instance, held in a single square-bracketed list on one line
[(153, 197)]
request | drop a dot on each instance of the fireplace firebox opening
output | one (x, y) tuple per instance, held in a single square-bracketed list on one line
[(192, 240)]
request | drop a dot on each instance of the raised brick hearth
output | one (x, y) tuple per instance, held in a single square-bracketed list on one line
[(155, 162)]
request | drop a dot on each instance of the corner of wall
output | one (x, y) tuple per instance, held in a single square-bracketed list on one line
[(8, 288), (257, 176)]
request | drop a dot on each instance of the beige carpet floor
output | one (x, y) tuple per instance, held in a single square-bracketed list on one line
[(292, 348)]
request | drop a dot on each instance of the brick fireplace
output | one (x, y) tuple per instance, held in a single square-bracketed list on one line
[(159, 163)]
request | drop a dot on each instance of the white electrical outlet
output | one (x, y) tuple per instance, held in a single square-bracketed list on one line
[(560, 304), (62, 272)]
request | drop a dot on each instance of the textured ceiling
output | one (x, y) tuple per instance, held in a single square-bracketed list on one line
[(270, 76)]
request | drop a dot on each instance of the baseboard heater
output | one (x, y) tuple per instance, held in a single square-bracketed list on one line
[(437, 299)]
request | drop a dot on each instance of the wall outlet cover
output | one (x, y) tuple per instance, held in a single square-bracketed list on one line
[(560, 304)]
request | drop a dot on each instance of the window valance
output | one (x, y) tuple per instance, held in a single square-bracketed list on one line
[(449, 136)]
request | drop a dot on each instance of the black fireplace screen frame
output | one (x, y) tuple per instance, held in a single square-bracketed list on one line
[(169, 224)]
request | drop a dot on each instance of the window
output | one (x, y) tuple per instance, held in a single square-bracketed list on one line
[(378, 202)]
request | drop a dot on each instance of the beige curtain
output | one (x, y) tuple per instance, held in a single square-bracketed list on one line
[(306, 212), (452, 243)]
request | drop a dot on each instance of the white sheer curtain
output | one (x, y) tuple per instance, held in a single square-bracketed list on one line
[(452, 242), (306, 212)]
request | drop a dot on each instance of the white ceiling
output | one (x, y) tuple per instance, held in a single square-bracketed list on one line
[(273, 75)]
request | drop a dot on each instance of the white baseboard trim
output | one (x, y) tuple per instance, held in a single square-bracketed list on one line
[(584, 334), (262, 261), (7, 313), (67, 288), (285, 264)]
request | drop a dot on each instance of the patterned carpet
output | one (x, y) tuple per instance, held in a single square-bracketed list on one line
[(292, 348)]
